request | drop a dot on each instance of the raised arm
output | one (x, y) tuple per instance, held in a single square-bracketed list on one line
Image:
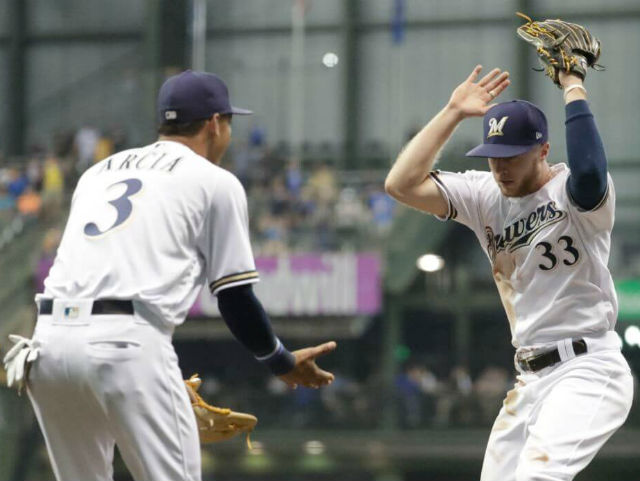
[(585, 151), (408, 180)]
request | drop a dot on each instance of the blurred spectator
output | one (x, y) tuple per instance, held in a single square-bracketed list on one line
[(50, 244), (257, 136), (382, 207), (29, 203), (103, 149), (273, 235), (18, 182), (455, 404), (84, 144), (352, 217), (490, 389), (280, 201), (416, 387), (294, 179), (242, 163), (52, 188), (350, 210), (7, 201), (34, 174), (322, 186), (323, 227), (5, 176)]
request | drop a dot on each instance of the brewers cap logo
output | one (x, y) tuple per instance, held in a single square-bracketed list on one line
[(495, 127)]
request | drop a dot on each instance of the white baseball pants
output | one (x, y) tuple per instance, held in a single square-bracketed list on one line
[(102, 380), (553, 422)]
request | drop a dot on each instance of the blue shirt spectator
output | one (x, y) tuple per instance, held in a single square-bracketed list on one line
[(18, 184), (381, 206)]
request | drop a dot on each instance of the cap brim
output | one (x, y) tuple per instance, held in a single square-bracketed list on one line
[(499, 150), (239, 111)]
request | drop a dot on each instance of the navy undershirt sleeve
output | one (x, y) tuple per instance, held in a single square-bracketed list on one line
[(587, 161), (244, 315)]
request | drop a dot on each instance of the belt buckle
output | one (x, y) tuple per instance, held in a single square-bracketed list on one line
[(524, 364)]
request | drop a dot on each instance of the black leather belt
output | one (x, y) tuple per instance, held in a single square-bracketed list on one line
[(100, 306), (539, 362)]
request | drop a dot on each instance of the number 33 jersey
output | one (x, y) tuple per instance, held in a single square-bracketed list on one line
[(151, 225), (549, 257)]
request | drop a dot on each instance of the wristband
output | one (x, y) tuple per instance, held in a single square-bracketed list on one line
[(279, 361), (571, 87)]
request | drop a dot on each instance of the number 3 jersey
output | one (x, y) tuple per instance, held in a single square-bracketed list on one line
[(549, 257), (151, 225)]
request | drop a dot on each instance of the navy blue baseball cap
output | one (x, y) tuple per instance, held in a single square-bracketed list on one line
[(511, 128), (190, 96)]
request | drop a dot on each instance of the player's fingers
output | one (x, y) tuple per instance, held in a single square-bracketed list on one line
[(310, 373), (493, 93), (318, 381), (496, 82), (489, 77), (474, 73), (320, 350), (500, 88), (323, 377), (291, 384)]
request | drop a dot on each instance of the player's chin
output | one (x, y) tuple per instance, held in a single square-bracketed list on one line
[(508, 188)]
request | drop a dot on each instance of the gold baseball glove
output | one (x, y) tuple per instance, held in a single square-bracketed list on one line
[(217, 424)]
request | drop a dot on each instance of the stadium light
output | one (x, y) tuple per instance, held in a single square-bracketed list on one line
[(314, 447), (430, 263), (330, 60), (632, 336)]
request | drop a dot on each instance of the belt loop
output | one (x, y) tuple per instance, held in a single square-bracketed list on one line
[(568, 343), (562, 350), (565, 349)]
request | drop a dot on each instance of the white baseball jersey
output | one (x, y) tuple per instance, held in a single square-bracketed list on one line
[(150, 224), (549, 257)]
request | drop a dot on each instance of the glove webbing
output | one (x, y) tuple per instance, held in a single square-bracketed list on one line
[(201, 403)]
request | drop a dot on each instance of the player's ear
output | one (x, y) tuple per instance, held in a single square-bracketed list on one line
[(544, 152), (214, 124)]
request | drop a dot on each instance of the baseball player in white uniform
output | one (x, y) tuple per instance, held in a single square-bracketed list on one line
[(546, 231), (147, 227)]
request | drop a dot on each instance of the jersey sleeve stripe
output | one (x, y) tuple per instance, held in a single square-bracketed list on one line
[(452, 210), (236, 279)]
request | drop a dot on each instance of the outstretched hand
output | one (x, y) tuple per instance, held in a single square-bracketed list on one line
[(472, 99), (306, 372)]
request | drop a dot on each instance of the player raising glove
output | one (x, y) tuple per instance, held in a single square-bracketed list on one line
[(561, 46), (214, 423)]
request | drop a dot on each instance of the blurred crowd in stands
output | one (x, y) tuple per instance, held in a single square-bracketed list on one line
[(32, 190), (35, 187), (418, 400), (310, 205), (294, 204)]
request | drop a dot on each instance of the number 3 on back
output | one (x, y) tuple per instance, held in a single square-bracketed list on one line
[(122, 204)]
